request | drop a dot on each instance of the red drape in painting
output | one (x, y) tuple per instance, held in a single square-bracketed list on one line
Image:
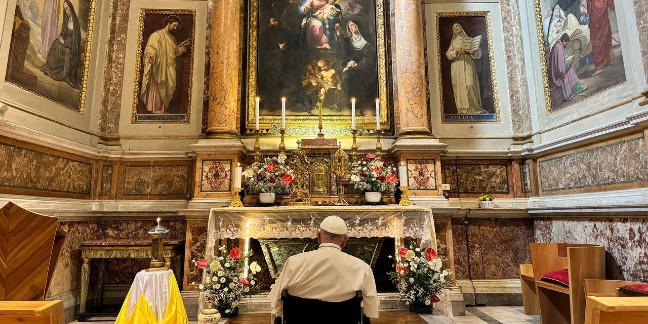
[(600, 31)]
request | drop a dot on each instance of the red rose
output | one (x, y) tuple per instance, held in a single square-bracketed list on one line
[(381, 178), (286, 179), (371, 156), (404, 269), (235, 253), (244, 282), (376, 169), (385, 164), (402, 251), (271, 167), (272, 179), (201, 264), (435, 299), (392, 178), (430, 254)]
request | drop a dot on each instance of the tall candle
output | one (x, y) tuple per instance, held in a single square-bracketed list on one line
[(402, 175), (283, 112), (158, 220), (377, 114), (256, 112), (238, 172), (353, 101)]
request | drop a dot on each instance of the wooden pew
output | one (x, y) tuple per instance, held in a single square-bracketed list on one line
[(615, 310), (560, 304), (529, 295), (33, 312)]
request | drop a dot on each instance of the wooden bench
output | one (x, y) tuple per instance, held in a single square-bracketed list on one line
[(615, 310), (33, 312), (560, 304), (529, 295)]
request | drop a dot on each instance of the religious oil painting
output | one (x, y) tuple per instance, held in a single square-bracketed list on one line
[(50, 49), (318, 54), (581, 47), (467, 81), (164, 66)]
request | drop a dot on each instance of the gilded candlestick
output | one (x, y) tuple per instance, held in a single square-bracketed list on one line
[(405, 201), (321, 127), (282, 145), (257, 147), (378, 143), (236, 198), (354, 147)]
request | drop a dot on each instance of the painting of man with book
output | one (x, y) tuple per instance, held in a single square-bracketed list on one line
[(466, 84)]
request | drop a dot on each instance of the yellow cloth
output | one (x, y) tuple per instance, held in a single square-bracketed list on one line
[(143, 313)]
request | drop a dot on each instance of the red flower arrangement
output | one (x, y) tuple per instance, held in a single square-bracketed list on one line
[(271, 175), (372, 174)]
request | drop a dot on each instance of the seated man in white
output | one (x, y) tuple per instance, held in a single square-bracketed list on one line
[(327, 273)]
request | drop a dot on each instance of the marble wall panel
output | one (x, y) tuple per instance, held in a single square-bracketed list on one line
[(106, 180), (67, 273), (496, 247), (440, 228), (612, 165), (216, 176), (625, 241), (641, 13), (477, 178), (525, 178), (114, 69), (166, 180), (515, 67), (46, 174), (421, 174)]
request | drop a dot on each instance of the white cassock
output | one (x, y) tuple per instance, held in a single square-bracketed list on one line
[(326, 274)]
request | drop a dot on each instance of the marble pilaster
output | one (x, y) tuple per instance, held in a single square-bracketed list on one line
[(641, 12), (412, 116), (225, 66)]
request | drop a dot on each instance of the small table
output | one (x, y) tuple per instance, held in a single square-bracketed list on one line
[(154, 297), (121, 249)]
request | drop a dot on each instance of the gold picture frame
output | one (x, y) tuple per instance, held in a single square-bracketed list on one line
[(301, 124), (183, 100), (492, 106)]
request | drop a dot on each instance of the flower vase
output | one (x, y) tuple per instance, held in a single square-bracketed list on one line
[(486, 204), (420, 309), (267, 198), (372, 197), (209, 316)]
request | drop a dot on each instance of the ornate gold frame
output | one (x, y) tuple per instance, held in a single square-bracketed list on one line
[(489, 34), (86, 66), (339, 121), (138, 64), (545, 68)]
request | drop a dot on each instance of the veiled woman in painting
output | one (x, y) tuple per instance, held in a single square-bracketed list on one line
[(64, 55), (359, 65), (465, 81)]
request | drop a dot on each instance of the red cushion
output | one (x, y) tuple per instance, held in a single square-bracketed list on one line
[(560, 277), (635, 289)]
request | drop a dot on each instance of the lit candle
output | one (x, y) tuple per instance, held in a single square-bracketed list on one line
[(283, 112), (402, 175), (256, 112), (238, 172), (353, 101), (377, 114), (158, 220)]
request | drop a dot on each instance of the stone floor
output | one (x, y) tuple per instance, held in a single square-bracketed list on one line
[(474, 315)]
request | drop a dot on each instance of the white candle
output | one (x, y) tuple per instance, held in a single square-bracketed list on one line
[(377, 114), (402, 175), (158, 220), (353, 101), (238, 172), (256, 112), (283, 112)]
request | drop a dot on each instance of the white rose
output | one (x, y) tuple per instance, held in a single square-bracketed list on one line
[(220, 273), (227, 264), (225, 289), (207, 280), (201, 286), (427, 302), (252, 282), (222, 280), (231, 285), (217, 286), (411, 280)]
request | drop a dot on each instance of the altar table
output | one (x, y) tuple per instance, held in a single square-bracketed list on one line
[(131, 249), (303, 221)]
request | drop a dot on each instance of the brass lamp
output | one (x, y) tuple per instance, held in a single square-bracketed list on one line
[(157, 233)]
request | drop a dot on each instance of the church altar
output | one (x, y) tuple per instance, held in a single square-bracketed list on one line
[(291, 222)]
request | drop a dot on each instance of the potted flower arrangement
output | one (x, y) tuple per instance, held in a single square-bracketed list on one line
[(269, 177), (486, 202), (224, 283), (374, 177), (419, 277)]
